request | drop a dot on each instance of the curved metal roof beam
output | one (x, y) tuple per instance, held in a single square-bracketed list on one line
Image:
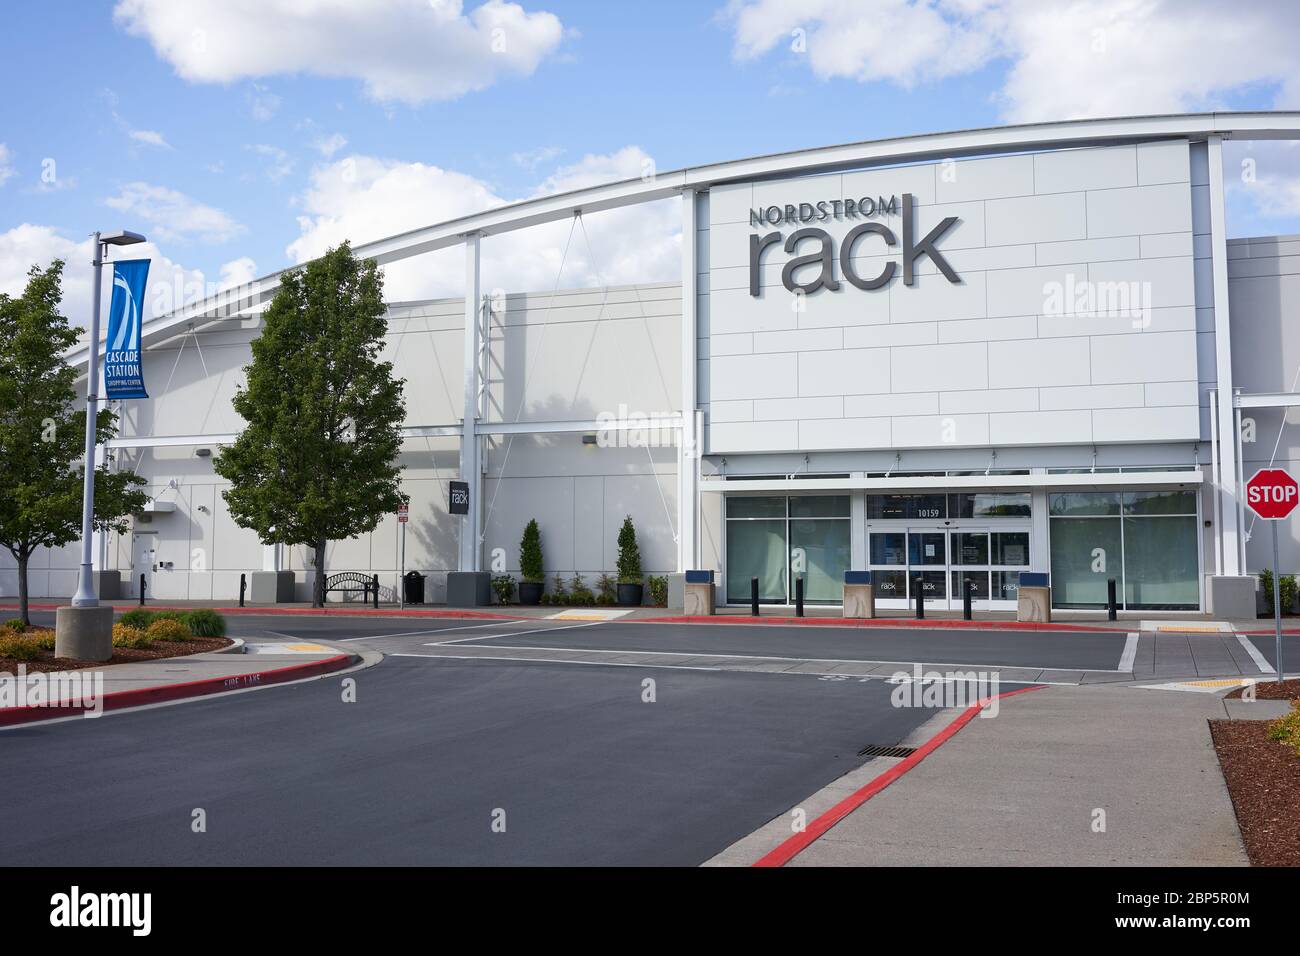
[(824, 159)]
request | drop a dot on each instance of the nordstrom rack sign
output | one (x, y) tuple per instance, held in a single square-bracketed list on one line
[(818, 245)]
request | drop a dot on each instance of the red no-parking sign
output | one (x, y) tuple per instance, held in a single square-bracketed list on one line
[(1272, 494)]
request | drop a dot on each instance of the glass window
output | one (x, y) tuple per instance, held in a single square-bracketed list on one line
[(821, 506), (1084, 503), (1085, 552), (907, 506), (970, 547), (1160, 566), (934, 585), (1011, 547), (824, 546), (745, 507), (990, 504), (756, 549), (1006, 585), (1160, 502), (888, 547), (889, 584), (977, 582), (926, 547)]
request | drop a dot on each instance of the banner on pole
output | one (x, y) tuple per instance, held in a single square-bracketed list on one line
[(123, 368)]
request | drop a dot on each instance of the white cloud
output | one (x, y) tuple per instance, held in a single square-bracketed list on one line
[(1064, 60), (170, 284), (171, 215), (262, 103), (278, 162), (532, 158), (149, 137), (7, 170), (361, 198), (238, 272), (329, 145), (402, 50)]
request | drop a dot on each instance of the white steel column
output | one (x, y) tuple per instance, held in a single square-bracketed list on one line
[(688, 450), (469, 440), (1230, 528)]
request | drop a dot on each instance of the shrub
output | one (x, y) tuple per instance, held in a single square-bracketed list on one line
[(136, 638), (558, 593), (606, 590), (18, 648), (629, 554), (1287, 729), (658, 585), (168, 629), (205, 622), (138, 619), (530, 553), (15, 624), (44, 640), (503, 585), (579, 593), (1288, 590)]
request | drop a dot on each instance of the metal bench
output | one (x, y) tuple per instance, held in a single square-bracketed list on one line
[(354, 582)]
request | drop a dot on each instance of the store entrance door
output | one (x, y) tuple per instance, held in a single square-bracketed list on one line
[(946, 562)]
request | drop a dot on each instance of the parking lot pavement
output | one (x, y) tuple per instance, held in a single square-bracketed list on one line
[(573, 765)]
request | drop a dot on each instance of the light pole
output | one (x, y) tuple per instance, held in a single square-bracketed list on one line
[(86, 596)]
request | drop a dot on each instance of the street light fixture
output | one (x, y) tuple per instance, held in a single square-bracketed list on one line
[(86, 595)]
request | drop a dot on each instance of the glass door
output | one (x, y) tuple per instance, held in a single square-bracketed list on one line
[(927, 559)]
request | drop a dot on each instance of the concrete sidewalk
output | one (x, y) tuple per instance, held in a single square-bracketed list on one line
[(177, 678), (1024, 789)]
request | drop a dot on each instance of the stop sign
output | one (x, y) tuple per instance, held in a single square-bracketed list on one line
[(1271, 493)]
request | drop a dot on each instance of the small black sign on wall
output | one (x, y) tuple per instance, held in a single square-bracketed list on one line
[(458, 499)]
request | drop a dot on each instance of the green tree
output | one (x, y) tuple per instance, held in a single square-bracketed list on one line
[(317, 461), (42, 433), (629, 554), (530, 553)]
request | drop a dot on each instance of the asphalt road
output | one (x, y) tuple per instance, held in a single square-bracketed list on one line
[(412, 773)]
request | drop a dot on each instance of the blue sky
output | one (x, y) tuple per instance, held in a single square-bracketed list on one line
[(225, 129)]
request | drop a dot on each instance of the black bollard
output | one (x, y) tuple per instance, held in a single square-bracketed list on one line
[(142, 590), (1111, 605), (243, 586), (798, 596), (920, 599), (965, 599), (753, 597), (374, 585)]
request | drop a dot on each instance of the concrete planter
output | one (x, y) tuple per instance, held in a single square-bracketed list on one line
[(630, 595)]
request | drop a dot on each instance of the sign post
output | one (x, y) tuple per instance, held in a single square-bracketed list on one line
[(403, 516), (1272, 494)]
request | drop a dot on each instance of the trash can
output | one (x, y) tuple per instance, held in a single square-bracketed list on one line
[(859, 596), (1034, 597), (413, 587), (698, 593)]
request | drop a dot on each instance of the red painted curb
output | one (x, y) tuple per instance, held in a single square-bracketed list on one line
[(902, 622), (12, 716), (796, 844)]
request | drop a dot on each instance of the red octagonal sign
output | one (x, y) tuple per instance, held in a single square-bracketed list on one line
[(1272, 493)]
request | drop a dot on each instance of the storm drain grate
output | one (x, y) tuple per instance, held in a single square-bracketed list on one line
[(874, 750)]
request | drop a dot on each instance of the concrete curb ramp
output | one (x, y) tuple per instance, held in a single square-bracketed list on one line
[(163, 693)]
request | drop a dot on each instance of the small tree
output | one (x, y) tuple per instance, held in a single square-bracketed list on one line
[(530, 553), (317, 461), (42, 435), (629, 554)]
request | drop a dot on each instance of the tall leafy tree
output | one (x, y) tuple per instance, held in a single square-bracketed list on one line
[(42, 433), (317, 461)]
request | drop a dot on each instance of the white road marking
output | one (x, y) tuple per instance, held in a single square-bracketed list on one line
[(1130, 652), (683, 667), (436, 630), (1260, 660), (566, 627)]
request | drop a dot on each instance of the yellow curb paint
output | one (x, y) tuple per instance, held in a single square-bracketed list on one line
[(305, 647)]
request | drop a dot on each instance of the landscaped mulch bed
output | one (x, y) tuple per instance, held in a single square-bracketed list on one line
[(46, 661), (1272, 690), (1263, 778)]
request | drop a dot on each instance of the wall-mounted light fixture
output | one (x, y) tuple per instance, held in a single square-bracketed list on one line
[(203, 508), (203, 452)]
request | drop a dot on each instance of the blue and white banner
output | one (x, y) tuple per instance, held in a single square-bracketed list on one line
[(123, 371)]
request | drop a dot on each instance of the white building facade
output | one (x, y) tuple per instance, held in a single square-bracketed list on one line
[(947, 359)]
